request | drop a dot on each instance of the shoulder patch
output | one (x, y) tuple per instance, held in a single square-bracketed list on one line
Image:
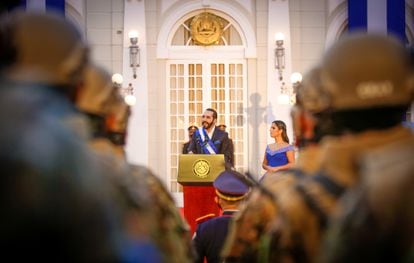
[(201, 219)]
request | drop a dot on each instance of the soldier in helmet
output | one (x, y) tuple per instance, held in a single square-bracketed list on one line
[(253, 229), (93, 98), (52, 75), (46, 57), (149, 214), (166, 227), (209, 236), (359, 91), (50, 174), (376, 221), (367, 84)]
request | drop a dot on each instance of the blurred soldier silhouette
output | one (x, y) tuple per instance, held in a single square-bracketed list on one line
[(210, 235), (57, 205), (376, 222), (149, 211), (150, 214), (98, 99), (166, 226), (367, 85), (249, 239), (46, 57), (364, 87), (94, 99)]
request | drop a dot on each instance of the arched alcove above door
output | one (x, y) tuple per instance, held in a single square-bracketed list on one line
[(174, 20)]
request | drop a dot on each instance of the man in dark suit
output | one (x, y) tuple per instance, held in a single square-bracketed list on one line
[(209, 140), (210, 235)]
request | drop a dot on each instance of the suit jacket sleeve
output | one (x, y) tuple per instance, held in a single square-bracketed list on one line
[(185, 147), (228, 150), (193, 145), (226, 146)]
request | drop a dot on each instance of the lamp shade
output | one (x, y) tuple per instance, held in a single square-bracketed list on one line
[(117, 78), (133, 34), (130, 100), (295, 77), (279, 36)]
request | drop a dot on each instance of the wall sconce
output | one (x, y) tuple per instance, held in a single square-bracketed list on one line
[(288, 94), (134, 56), (279, 54), (126, 92)]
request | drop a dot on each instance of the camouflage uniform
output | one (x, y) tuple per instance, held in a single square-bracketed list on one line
[(376, 223), (46, 76), (249, 240), (148, 210), (169, 230), (361, 76), (250, 236), (58, 206), (302, 210)]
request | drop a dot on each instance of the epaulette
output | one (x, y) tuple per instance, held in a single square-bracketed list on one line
[(202, 219)]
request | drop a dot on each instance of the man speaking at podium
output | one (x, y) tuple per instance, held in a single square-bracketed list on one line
[(209, 140)]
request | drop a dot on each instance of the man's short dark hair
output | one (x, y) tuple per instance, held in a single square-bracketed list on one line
[(214, 112)]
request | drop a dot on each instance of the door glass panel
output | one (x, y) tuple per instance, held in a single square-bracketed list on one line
[(203, 85)]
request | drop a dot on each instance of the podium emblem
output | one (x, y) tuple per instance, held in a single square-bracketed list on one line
[(201, 168)]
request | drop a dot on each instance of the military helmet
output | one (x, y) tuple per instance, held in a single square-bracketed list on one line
[(95, 94), (48, 49), (310, 94), (365, 71)]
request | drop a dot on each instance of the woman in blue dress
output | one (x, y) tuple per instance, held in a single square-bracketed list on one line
[(279, 155)]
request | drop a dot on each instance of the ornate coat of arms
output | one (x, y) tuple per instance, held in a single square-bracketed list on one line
[(206, 29)]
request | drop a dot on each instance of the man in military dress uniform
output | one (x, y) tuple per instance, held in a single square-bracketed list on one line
[(209, 237)]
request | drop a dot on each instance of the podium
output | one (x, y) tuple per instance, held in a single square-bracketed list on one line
[(196, 173)]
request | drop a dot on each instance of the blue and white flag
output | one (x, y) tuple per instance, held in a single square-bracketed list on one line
[(44, 5), (377, 16)]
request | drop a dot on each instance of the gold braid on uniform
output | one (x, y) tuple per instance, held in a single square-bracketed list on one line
[(230, 198)]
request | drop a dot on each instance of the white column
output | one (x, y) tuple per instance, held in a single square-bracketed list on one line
[(278, 21), (137, 137)]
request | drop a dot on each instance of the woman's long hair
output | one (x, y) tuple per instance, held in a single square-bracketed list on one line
[(282, 126)]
